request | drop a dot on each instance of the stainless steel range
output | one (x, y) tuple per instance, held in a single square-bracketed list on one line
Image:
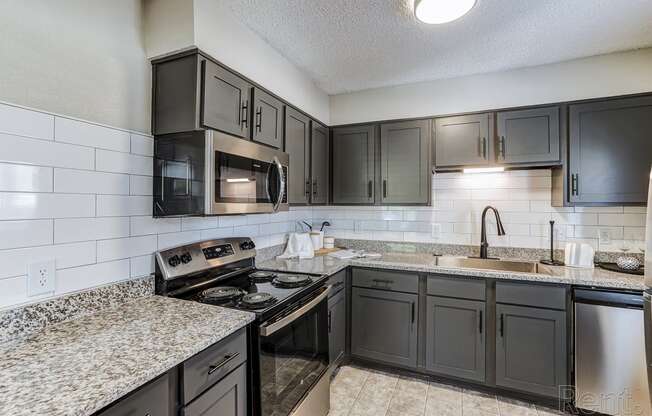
[(288, 341)]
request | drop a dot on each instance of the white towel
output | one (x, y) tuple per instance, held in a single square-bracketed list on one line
[(299, 245)]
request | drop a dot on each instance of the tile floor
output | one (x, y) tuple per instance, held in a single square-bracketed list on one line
[(357, 391)]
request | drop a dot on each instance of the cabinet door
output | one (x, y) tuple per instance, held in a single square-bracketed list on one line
[(404, 162), (528, 136), (384, 326), (319, 162), (151, 399), (297, 145), (227, 398), (225, 102), (268, 119), (353, 165), (463, 141), (610, 151), (531, 349), (455, 337), (336, 326)]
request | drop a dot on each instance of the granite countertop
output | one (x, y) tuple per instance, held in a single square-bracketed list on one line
[(423, 262), (79, 366)]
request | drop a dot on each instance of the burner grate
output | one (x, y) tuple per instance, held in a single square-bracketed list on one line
[(221, 294), (291, 281), (262, 276), (257, 300)]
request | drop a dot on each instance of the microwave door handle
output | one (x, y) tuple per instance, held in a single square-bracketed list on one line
[(269, 173), (267, 330), (281, 191)]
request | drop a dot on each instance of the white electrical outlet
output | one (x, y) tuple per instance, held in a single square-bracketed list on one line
[(40, 277), (605, 237), (435, 230)]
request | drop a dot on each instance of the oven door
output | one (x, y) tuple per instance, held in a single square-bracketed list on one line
[(293, 355), (245, 177)]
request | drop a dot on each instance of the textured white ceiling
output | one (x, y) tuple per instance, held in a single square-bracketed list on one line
[(350, 45)]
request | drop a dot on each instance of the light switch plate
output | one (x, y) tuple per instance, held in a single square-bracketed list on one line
[(41, 277), (605, 236)]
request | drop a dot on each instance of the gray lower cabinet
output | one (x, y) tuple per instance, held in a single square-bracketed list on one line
[(267, 119), (152, 399), (531, 351), (528, 136), (319, 162), (337, 325), (353, 165), (610, 151), (404, 162), (463, 141), (227, 398), (455, 337), (384, 326), (297, 145)]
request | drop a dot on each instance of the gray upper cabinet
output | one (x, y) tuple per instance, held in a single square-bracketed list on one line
[(225, 101), (455, 337), (610, 151), (528, 136), (463, 141), (404, 162), (319, 162), (384, 326), (531, 351), (353, 165), (267, 119), (297, 145)]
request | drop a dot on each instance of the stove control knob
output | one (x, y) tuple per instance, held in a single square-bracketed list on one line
[(174, 261), (247, 245), (186, 258)]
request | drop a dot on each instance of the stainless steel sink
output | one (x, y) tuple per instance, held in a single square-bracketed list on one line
[(490, 264)]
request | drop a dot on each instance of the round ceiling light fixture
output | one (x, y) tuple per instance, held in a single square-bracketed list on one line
[(435, 12)]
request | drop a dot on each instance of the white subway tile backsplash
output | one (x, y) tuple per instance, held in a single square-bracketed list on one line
[(90, 182), (247, 231), (124, 248), (38, 152), (630, 220), (86, 134), (118, 162), (13, 291), (118, 205), (141, 266), (16, 261), (232, 220), (176, 239), (87, 229), (16, 206), (217, 233), (149, 225), (142, 145), (23, 122), (80, 278), (141, 185), (15, 234), (575, 218), (25, 178), (198, 223)]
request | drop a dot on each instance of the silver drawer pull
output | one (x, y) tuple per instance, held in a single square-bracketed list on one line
[(227, 358)]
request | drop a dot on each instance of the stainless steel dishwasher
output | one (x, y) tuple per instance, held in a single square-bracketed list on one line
[(610, 370)]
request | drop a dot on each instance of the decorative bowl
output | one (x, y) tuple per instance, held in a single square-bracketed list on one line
[(628, 263)]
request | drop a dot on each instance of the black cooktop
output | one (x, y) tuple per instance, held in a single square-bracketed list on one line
[(256, 291)]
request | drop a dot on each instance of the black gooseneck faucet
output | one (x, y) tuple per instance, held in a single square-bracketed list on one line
[(483, 233)]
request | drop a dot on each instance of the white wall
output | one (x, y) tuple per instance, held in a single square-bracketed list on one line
[(82, 58), (599, 76), (209, 25), (80, 193)]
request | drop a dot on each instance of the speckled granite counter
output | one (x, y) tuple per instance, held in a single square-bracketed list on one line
[(427, 263), (78, 366)]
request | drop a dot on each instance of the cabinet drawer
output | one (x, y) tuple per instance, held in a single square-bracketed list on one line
[(457, 287), (336, 281), (386, 280), (541, 296), (226, 398), (151, 399), (204, 369)]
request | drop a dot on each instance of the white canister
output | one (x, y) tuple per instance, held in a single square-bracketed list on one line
[(317, 238), (329, 242)]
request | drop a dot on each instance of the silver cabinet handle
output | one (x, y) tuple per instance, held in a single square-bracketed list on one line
[(501, 146), (269, 329), (227, 359), (484, 147)]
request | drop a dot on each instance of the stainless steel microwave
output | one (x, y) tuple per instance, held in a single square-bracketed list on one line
[(212, 173)]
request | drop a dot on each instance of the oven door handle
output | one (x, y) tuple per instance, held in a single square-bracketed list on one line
[(281, 191), (268, 330)]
